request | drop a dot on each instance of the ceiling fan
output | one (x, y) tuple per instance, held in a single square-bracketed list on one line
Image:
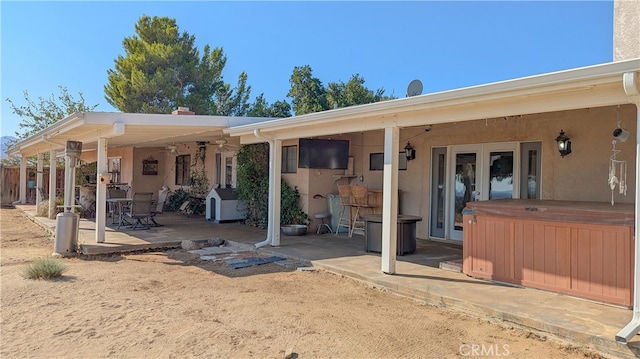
[(173, 150), (222, 145)]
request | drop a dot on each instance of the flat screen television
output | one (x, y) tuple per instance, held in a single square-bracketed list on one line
[(323, 153)]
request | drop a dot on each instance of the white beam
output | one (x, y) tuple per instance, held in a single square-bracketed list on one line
[(631, 84), (390, 200), (275, 178), (69, 183), (39, 184), (101, 190), (53, 173), (23, 180)]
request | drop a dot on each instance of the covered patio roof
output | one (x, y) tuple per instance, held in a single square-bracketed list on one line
[(126, 130), (588, 87)]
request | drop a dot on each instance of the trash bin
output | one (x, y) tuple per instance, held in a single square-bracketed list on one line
[(335, 207), (67, 224)]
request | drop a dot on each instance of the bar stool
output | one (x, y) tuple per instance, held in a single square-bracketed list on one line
[(344, 192), (320, 226), (361, 204)]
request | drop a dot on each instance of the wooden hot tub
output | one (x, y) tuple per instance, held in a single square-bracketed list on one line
[(583, 249)]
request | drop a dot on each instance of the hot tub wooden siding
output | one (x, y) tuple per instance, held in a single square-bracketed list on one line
[(578, 248)]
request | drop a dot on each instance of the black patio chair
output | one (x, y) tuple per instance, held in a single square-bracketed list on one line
[(43, 195), (158, 207)]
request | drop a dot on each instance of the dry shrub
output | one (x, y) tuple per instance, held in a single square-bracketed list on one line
[(44, 268)]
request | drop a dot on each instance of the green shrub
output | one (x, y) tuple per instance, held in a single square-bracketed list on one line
[(253, 189), (253, 182), (290, 209), (44, 268), (175, 200)]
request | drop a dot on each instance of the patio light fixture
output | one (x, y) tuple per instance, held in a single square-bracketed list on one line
[(409, 151), (564, 144)]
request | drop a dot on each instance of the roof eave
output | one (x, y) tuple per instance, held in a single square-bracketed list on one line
[(557, 82)]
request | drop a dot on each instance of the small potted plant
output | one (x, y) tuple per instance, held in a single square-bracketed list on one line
[(294, 220)]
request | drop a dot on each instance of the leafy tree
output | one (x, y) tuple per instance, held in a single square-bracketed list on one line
[(39, 114), (281, 109), (234, 104), (162, 69), (261, 108), (307, 92), (309, 95), (352, 93)]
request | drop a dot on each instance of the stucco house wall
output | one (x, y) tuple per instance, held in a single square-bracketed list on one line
[(150, 183), (311, 182), (580, 176), (167, 167), (132, 158), (126, 155), (626, 29)]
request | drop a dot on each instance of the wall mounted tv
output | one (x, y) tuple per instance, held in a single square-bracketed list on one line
[(323, 153)]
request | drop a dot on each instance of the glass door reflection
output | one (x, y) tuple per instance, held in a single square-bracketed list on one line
[(501, 175), (465, 185)]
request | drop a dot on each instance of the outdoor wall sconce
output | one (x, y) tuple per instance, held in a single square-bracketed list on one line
[(564, 144), (409, 151)]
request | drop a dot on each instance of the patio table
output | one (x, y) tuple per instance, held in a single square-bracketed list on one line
[(121, 204)]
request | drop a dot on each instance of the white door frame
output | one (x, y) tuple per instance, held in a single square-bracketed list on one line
[(501, 147), (450, 231), (482, 151)]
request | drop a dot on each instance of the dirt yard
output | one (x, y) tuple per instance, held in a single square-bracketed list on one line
[(174, 305)]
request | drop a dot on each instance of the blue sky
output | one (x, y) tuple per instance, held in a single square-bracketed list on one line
[(446, 45)]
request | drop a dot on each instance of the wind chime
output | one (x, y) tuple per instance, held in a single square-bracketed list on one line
[(618, 168)]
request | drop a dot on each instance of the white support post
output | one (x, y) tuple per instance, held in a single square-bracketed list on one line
[(275, 178), (23, 180), (39, 184), (53, 173), (631, 84), (69, 184), (390, 200), (101, 190)]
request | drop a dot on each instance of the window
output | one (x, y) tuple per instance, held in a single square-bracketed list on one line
[(183, 167), (113, 167), (376, 161), (438, 195), (289, 159)]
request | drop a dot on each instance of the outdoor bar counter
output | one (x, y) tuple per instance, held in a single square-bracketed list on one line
[(584, 249)]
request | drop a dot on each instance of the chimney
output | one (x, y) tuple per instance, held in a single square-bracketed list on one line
[(182, 111)]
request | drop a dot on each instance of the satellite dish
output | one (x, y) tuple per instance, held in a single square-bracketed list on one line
[(415, 88)]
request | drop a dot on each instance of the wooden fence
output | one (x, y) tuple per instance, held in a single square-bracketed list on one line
[(10, 185)]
